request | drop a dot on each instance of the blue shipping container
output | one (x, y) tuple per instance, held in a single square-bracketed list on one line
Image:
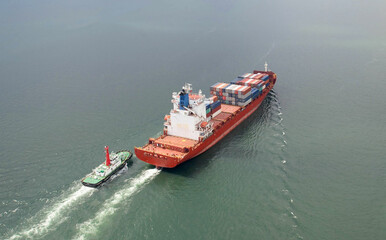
[(265, 77), (215, 104)]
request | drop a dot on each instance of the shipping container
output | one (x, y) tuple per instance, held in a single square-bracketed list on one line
[(215, 104), (214, 110), (234, 81), (251, 82), (235, 98), (244, 103), (255, 93), (252, 75), (233, 94), (218, 87), (234, 88), (265, 77)]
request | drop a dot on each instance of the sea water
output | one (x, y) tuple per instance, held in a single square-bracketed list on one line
[(308, 164)]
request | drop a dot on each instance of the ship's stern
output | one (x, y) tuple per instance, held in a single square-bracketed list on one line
[(157, 159)]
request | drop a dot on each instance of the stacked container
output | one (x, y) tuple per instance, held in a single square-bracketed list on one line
[(208, 110), (233, 94), (258, 80), (212, 106), (218, 87), (251, 75), (255, 93), (216, 107), (254, 83), (261, 76), (236, 80), (251, 80)]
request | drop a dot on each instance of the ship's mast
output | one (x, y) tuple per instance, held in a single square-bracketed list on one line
[(107, 156), (266, 66)]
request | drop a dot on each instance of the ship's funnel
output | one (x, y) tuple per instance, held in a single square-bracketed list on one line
[(184, 99), (107, 156)]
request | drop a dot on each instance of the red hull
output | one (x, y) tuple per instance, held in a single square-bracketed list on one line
[(168, 160)]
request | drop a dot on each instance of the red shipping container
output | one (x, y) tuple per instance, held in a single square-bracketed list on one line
[(216, 109)]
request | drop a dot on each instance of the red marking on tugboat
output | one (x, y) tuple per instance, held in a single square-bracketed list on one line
[(107, 156)]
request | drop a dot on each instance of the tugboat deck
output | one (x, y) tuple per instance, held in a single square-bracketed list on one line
[(93, 179)]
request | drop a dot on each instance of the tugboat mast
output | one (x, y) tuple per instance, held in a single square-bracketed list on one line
[(107, 156)]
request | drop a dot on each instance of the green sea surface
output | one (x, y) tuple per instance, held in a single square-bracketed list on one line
[(78, 75)]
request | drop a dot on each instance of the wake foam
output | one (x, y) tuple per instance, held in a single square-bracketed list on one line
[(51, 216), (110, 206)]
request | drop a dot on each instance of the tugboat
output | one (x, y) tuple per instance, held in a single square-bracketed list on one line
[(114, 163)]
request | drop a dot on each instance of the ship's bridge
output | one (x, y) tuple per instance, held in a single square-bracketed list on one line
[(187, 115)]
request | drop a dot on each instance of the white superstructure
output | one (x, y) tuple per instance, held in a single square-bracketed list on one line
[(188, 117)]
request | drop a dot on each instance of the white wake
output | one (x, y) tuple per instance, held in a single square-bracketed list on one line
[(53, 215), (110, 206)]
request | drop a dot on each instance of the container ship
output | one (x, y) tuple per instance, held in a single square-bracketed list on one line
[(196, 123)]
